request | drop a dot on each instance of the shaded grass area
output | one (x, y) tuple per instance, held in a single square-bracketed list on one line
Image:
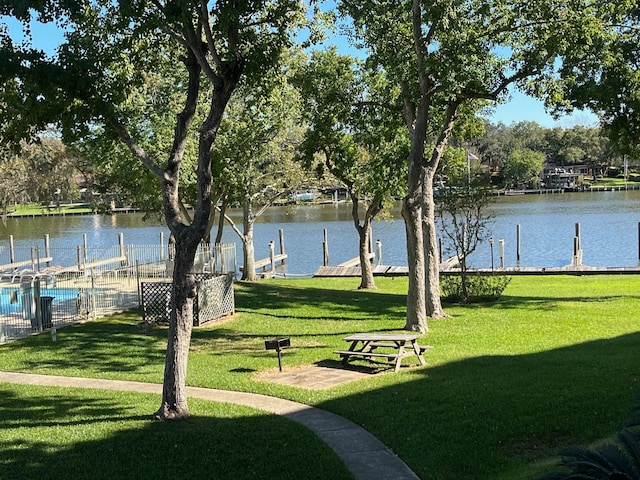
[(55, 433), (553, 363)]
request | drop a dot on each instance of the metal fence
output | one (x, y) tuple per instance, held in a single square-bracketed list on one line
[(57, 287), (19, 263)]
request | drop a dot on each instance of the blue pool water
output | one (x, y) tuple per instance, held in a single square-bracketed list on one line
[(11, 298)]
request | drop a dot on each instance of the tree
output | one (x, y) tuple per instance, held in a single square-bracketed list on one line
[(51, 169), (461, 209), (463, 218), (357, 145), (523, 168), (152, 109), (578, 145), (108, 50), (443, 57), (255, 154), (492, 146), (40, 171), (605, 77), (14, 178)]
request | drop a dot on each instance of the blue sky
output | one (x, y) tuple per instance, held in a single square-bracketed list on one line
[(519, 108)]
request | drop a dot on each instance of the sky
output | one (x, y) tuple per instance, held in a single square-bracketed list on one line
[(519, 108)]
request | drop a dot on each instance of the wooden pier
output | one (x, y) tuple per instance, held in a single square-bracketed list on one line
[(272, 259), (391, 271)]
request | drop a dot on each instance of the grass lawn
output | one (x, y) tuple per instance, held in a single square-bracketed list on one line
[(37, 209), (507, 384), (612, 182), (55, 433)]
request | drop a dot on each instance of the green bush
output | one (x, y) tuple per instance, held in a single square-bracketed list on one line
[(480, 288)]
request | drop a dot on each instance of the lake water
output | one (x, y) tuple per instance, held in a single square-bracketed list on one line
[(608, 221)]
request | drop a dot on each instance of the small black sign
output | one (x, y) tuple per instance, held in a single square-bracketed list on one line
[(277, 343)]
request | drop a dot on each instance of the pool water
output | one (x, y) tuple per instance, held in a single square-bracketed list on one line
[(11, 298)]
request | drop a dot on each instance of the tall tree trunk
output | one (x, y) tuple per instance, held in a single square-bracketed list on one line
[(432, 268), (416, 118), (366, 267), (188, 233), (364, 237), (221, 220), (416, 306), (174, 397), (248, 249)]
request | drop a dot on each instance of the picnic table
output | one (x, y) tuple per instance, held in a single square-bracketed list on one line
[(392, 347)]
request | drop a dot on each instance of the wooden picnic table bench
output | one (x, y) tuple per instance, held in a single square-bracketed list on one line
[(396, 346)]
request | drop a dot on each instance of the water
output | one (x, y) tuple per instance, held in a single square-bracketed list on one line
[(608, 226), (608, 220), (11, 298)]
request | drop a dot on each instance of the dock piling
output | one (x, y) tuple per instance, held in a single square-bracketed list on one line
[(518, 246), (12, 252), (272, 256), (325, 250), (577, 248), (281, 235)]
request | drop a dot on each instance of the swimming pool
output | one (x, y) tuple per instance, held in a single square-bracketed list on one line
[(12, 298)]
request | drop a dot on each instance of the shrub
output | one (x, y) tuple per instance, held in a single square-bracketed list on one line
[(480, 288)]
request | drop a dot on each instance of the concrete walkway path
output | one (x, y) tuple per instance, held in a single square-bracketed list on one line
[(364, 455)]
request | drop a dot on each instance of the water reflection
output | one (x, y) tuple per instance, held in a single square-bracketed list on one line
[(609, 231)]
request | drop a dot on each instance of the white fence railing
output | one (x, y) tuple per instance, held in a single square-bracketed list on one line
[(77, 284)]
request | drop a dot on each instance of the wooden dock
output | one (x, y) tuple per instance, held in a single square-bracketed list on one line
[(272, 259), (33, 263), (379, 270), (390, 271)]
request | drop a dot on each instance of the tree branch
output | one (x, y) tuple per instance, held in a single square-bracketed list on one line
[(195, 45), (136, 149), (231, 223), (449, 122), (204, 21)]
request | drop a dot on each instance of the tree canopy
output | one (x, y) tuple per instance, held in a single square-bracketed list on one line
[(603, 74), (443, 59), (101, 78), (353, 137)]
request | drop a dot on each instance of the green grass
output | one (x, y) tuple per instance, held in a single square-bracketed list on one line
[(55, 433), (612, 182), (35, 209), (555, 362)]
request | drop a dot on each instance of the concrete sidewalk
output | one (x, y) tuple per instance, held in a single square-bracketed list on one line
[(364, 455)]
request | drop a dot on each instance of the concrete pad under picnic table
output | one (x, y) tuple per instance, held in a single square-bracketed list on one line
[(318, 376)]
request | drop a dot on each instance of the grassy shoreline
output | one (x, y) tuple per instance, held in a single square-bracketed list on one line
[(506, 385), (80, 208)]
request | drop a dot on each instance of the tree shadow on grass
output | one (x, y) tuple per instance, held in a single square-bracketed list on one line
[(509, 301), (104, 345), (470, 419), (95, 436)]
